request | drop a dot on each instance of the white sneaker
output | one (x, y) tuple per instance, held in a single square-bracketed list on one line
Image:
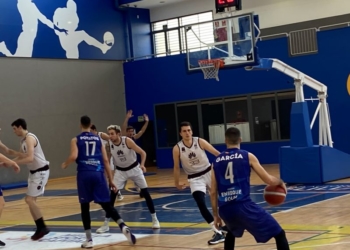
[(103, 229), (155, 223), (119, 196), (87, 244), (131, 238)]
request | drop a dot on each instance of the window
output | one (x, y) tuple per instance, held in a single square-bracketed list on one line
[(213, 121), (285, 100), (169, 35), (166, 125), (264, 117), (236, 112), (188, 112)]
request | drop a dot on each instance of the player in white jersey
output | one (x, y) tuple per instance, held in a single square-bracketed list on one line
[(105, 141), (190, 151), (33, 156), (129, 131), (123, 151)]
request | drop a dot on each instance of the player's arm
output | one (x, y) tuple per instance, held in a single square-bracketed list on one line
[(208, 147), (125, 123), (107, 169), (143, 129), (11, 152), (28, 157), (214, 194), (176, 159), (132, 145), (73, 153), (262, 173), (9, 163)]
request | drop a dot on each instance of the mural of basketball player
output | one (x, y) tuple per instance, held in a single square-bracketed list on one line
[(67, 19), (30, 16)]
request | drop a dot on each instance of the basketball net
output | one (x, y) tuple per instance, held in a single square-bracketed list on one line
[(211, 67)]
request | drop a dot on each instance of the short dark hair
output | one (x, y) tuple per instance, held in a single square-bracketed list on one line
[(85, 121), (184, 124), (129, 127), (232, 136), (20, 123), (93, 127)]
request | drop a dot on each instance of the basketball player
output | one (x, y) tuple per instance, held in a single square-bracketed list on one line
[(6, 162), (33, 156), (123, 151), (129, 131), (230, 191), (105, 141), (191, 152), (90, 155)]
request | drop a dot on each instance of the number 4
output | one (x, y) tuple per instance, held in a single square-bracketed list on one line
[(93, 148), (229, 172)]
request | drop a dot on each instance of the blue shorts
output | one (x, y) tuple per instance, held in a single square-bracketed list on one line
[(249, 216), (92, 186), (1, 191)]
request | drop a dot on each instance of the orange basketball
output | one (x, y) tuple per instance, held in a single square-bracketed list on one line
[(274, 195)]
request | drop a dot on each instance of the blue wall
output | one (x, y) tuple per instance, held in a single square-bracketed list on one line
[(96, 29), (165, 79)]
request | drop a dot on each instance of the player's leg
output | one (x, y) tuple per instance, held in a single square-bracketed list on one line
[(198, 189), (118, 195), (140, 181), (36, 187), (101, 197), (120, 179), (230, 239), (2, 205)]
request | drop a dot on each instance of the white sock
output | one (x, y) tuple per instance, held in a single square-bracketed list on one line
[(107, 220), (154, 216), (214, 228)]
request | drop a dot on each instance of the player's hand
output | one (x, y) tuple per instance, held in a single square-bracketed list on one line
[(146, 117), (143, 169), (64, 165), (113, 187), (181, 187), (16, 168), (217, 221), (283, 185), (129, 114)]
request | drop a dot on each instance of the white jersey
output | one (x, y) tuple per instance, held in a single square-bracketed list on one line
[(39, 157), (123, 156), (193, 159)]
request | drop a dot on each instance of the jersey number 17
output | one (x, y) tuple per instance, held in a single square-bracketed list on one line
[(93, 148), (229, 172)]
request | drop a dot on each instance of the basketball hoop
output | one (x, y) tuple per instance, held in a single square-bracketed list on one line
[(210, 68)]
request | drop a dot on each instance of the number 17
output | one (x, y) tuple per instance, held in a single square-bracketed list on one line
[(93, 148)]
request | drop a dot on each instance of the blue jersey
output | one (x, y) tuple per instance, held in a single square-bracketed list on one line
[(89, 152), (232, 173)]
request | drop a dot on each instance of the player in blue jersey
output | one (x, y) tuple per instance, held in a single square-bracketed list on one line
[(90, 155), (230, 192)]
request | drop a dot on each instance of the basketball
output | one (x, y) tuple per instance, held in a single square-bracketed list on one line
[(274, 195), (108, 38)]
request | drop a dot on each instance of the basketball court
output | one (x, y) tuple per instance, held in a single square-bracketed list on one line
[(314, 217)]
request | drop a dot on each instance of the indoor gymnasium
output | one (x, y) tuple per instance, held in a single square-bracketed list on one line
[(132, 72)]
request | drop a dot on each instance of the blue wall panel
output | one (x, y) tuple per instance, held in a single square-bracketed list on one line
[(96, 29), (166, 79)]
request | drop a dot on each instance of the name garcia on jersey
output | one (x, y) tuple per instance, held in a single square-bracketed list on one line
[(229, 157)]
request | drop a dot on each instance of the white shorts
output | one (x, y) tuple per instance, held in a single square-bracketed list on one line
[(37, 183), (135, 174), (111, 164), (200, 183)]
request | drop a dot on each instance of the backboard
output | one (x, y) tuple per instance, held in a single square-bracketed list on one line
[(231, 39)]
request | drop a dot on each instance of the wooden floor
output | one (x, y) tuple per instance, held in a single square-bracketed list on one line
[(321, 221)]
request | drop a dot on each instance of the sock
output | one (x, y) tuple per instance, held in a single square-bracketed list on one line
[(107, 220), (121, 223), (88, 235), (154, 216), (214, 228), (40, 223)]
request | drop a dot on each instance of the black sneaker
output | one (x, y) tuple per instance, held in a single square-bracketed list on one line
[(2, 244), (224, 229), (40, 233), (217, 238)]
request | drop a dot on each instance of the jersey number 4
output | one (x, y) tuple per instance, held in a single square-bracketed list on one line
[(93, 149), (229, 172)]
